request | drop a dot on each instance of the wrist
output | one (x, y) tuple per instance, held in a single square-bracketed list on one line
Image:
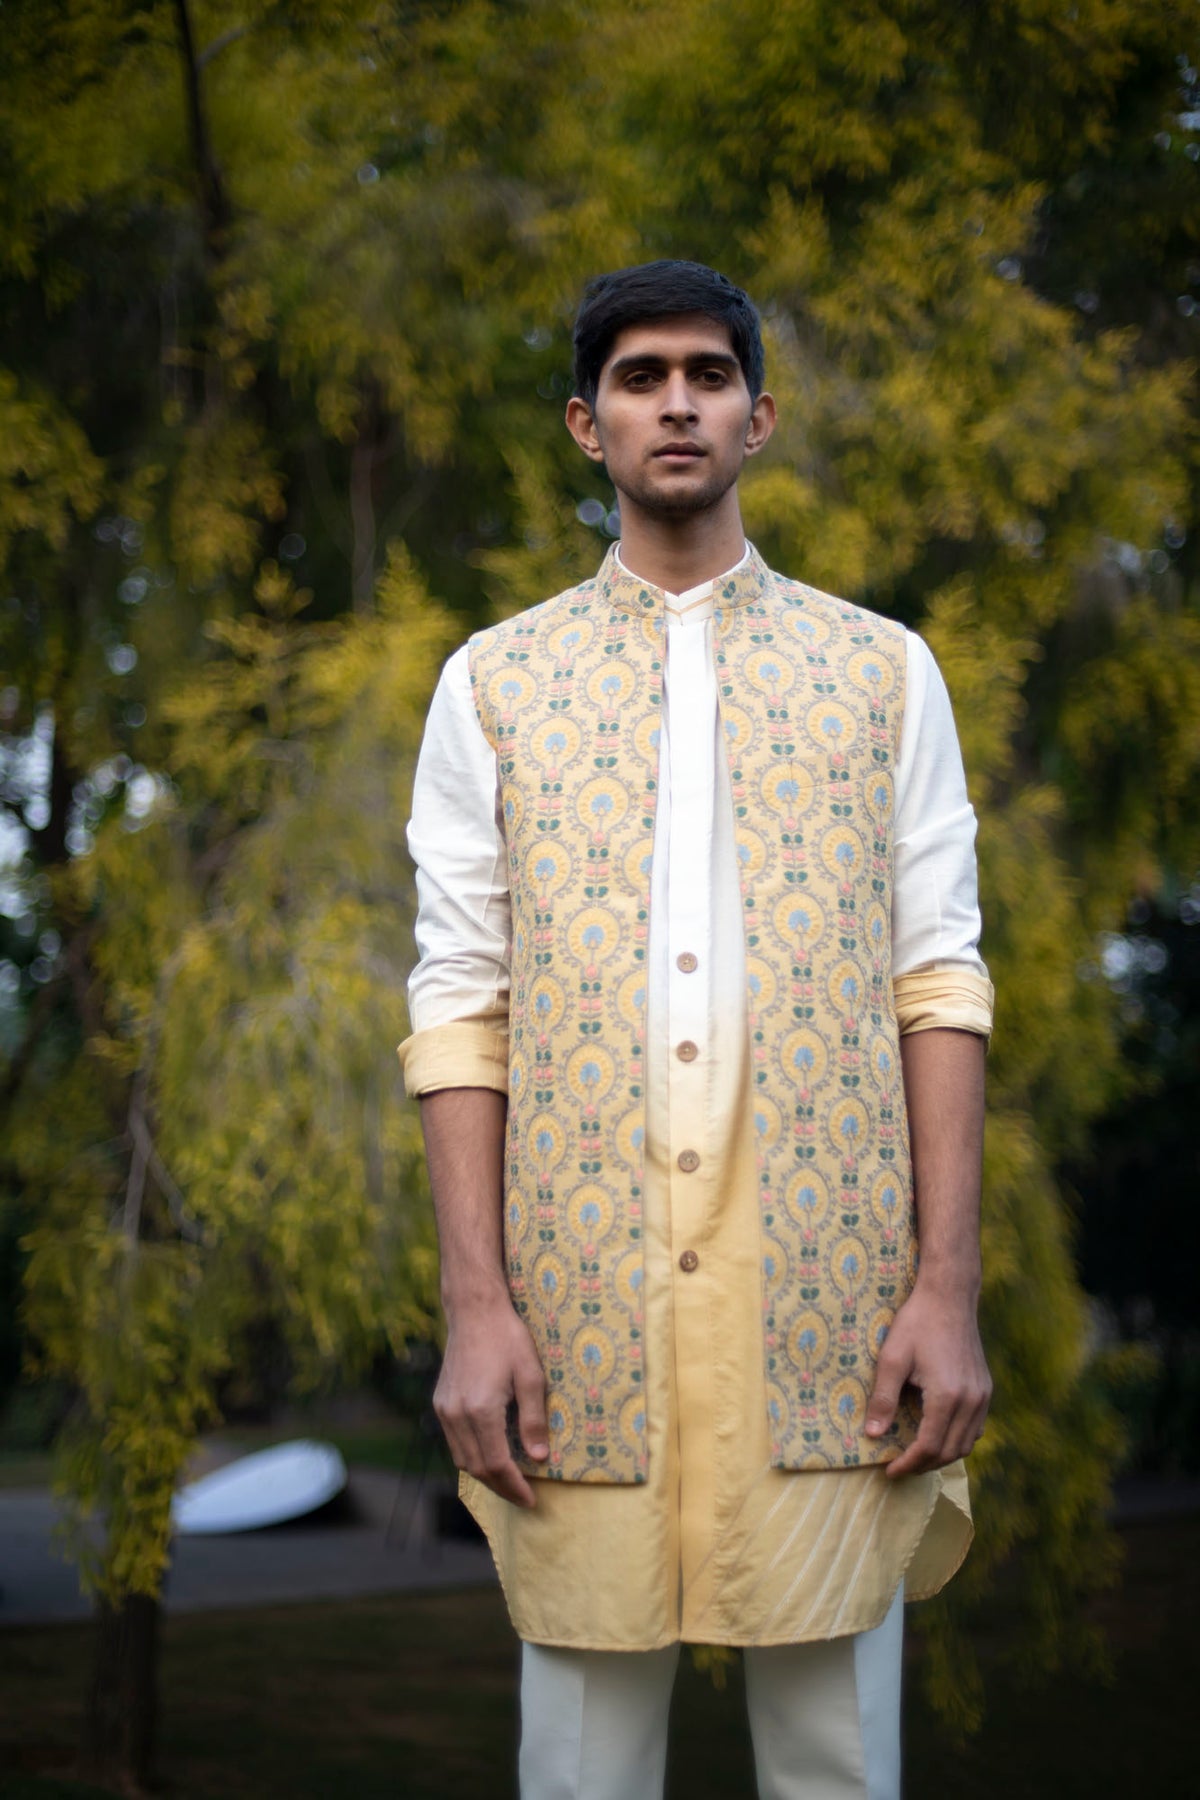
[(472, 1294), (950, 1280)]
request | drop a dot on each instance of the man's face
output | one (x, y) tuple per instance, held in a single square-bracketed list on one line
[(673, 420)]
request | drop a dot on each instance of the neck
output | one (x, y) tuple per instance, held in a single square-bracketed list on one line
[(680, 553)]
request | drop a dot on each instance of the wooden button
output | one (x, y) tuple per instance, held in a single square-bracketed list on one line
[(688, 962), (687, 1051), (688, 1161), (689, 1261)]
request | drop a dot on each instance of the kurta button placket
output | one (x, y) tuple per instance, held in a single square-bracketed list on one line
[(693, 1208)]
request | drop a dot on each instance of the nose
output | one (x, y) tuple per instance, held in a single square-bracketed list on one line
[(678, 402)]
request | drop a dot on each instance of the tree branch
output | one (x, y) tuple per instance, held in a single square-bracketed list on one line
[(36, 1021), (219, 43), (214, 204), (185, 1223), (362, 517), (135, 1186)]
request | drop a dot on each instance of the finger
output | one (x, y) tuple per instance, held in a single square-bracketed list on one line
[(529, 1385), (979, 1423), (976, 1434), (973, 1427), (891, 1372), (983, 1409), (916, 1460), (511, 1485), (964, 1427), (959, 1439), (925, 1451), (473, 1449), (459, 1441), (498, 1471), (947, 1433)]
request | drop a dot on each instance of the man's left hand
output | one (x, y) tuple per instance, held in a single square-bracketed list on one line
[(933, 1342)]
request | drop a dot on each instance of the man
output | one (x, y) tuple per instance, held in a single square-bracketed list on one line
[(696, 877)]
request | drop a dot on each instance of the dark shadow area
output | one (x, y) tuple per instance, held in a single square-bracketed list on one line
[(414, 1698)]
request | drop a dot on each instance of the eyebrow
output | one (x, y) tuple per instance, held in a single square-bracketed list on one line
[(706, 359)]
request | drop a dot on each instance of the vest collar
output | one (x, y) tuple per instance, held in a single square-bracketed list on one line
[(630, 594)]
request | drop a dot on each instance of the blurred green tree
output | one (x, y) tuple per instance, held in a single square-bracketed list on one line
[(211, 919), (280, 287)]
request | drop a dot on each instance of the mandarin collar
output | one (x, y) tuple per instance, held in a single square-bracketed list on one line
[(630, 594)]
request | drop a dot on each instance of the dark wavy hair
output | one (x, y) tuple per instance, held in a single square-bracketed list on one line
[(660, 290)]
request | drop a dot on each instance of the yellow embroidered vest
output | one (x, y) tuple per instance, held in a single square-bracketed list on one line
[(812, 697)]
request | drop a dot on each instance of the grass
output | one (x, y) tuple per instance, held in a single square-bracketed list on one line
[(25, 1468), (398, 1450), (396, 1434), (395, 1446), (412, 1698)]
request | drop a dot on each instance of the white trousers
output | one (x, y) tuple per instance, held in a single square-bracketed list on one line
[(824, 1719)]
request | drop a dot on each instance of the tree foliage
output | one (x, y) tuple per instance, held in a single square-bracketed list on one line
[(284, 309)]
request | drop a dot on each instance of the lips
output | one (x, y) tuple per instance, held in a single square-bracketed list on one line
[(684, 452)]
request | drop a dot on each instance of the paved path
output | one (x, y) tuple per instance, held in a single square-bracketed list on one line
[(365, 1546)]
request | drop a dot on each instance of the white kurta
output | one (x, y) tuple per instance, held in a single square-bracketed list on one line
[(717, 1546)]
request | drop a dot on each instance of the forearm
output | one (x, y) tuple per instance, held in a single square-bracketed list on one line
[(933, 1341), (943, 1087), (490, 1359), (464, 1145)]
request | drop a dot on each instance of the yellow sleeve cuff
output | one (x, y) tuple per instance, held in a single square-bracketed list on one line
[(470, 1053), (946, 995), (466, 1053)]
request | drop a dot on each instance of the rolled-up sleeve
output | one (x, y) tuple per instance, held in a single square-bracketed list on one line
[(458, 992), (939, 978)]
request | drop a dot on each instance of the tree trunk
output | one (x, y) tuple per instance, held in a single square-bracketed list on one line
[(362, 511), (123, 1698), (214, 202)]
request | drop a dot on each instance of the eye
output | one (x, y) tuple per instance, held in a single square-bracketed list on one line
[(713, 378), (639, 379)]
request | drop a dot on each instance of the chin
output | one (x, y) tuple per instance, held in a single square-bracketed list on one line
[(673, 503)]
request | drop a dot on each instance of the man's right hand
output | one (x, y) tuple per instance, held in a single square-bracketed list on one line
[(490, 1361)]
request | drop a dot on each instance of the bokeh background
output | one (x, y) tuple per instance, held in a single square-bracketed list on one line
[(285, 305)]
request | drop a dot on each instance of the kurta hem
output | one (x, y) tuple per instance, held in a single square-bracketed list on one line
[(865, 1620)]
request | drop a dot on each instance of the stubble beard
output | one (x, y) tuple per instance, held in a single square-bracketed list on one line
[(653, 500)]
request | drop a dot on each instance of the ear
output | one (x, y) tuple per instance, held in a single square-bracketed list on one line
[(762, 423), (581, 424)]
